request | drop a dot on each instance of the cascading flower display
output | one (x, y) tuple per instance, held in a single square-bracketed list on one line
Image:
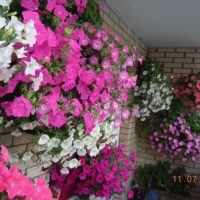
[(188, 87), (102, 176), (177, 140), (70, 80), (152, 93), (15, 185)]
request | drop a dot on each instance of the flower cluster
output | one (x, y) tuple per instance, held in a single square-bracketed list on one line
[(13, 184), (102, 176), (69, 73), (15, 39), (152, 94), (177, 140), (189, 87), (64, 151)]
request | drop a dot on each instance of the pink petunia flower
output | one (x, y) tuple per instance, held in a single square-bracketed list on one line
[(89, 122), (4, 154), (30, 4), (61, 12), (94, 60), (57, 120), (97, 44)]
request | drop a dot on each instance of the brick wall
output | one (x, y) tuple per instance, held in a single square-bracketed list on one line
[(175, 60)]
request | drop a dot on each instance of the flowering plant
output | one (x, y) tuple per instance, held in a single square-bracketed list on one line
[(14, 185), (102, 176), (71, 75), (160, 176), (177, 140), (152, 94), (189, 87)]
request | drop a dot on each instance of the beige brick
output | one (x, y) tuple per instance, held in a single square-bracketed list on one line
[(150, 50), (183, 60), (118, 29), (186, 71), (123, 25), (106, 10), (156, 55), (145, 155), (165, 60), (193, 171), (23, 139), (19, 148), (197, 165), (114, 17), (186, 50), (6, 139), (197, 60), (191, 65), (175, 55), (185, 164), (166, 50), (108, 20), (35, 171), (150, 161), (193, 55), (173, 65), (168, 70), (196, 70), (140, 160)]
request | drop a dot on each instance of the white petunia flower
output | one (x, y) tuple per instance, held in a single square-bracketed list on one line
[(45, 157), (66, 143), (15, 24), (31, 67), (56, 158), (37, 82), (44, 139), (78, 144), (53, 143), (94, 152), (81, 152), (66, 152), (16, 133), (27, 156), (20, 52), (30, 33), (64, 171), (74, 163), (5, 55), (5, 3), (2, 22)]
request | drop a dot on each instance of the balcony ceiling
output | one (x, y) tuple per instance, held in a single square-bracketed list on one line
[(162, 23)]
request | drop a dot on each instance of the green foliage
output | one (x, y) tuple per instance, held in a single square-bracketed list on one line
[(160, 176), (194, 121), (153, 68)]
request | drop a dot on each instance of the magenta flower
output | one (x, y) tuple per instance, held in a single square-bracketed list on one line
[(30, 4), (57, 120), (106, 64), (89, 122), (94, 60), (4, 155), (125, 49), (20, 107), (125, 114), (81, 4), (87, 76), (61, 12), (130, 194), (78, 107), (51, 5), (97, 44)]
